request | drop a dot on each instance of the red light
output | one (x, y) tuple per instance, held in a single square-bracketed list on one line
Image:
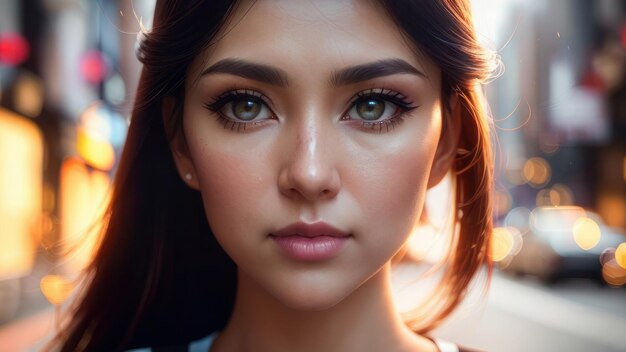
[(93, 66), (14, 49)]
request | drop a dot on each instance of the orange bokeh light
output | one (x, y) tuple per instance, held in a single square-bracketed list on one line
[(21, 183), (84, 197), (620, 255), (55, 288), (536, 171), (99, 153), (586, 233), (502, 243)]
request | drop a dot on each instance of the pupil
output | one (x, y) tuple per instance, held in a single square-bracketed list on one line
[(371, 109), (246, 109)]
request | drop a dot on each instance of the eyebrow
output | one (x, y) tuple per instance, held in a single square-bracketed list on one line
[(381, 68), (251, 70), (275, 76)]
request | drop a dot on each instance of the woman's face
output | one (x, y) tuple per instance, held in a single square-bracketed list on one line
[(312, 112)]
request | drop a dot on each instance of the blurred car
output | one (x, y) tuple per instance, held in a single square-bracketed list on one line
[(552, 249)]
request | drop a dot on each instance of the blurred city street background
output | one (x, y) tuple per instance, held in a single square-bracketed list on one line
[(67, 76)]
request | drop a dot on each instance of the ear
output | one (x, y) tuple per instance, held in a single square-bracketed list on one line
[(448, 141), (178, 144)]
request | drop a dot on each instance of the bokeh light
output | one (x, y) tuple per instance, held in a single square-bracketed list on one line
[(563, 193), (607, 255), (620, 255), (55, 288), (14, 49), (556, 219), (549, 148), (502, 242), (93, 66), (84, 197), (28, 95), (98, 153), (99, 132), (543, 198), (558, 195), (613, 274), (586, 233), (536, 172), (21, 169), (115, 89)]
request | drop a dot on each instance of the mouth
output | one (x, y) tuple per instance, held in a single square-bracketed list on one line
[(310, 242), (309, 230)]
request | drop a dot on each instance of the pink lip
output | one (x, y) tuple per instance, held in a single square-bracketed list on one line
[(310, 242)]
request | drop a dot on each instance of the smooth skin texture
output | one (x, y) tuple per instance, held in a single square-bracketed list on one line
[(305, 155)]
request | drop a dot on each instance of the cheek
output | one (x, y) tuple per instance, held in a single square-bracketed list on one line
[(392, 173), (233, 185), (396, 183), (392, 190)]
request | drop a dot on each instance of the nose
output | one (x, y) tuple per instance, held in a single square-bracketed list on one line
[(309, 172)]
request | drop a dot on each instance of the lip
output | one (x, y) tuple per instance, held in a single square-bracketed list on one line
[(310, 242)]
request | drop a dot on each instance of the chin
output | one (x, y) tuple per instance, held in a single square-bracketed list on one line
[(310, 292), (316, 291), (312, 300)]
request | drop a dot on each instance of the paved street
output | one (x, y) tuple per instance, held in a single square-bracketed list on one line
[(523, 315)]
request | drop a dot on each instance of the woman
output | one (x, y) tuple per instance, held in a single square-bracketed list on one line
[(277, 159)]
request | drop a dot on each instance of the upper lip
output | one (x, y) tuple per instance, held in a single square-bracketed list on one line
[(309, 230)]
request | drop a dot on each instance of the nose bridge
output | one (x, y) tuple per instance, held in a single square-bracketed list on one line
[(308, 153), (310, 171)]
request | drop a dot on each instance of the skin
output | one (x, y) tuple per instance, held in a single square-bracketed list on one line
[(308, 162)]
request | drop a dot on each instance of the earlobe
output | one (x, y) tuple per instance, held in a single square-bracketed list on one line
[(178, 144), (448, 141)]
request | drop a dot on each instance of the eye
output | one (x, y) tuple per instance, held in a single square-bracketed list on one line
[(241, 106), (245, 108), (376, 106), (372, 109)]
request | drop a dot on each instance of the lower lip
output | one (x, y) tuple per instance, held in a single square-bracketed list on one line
[(310, 248)]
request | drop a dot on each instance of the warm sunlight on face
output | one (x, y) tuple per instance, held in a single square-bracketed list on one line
[(312, 113)]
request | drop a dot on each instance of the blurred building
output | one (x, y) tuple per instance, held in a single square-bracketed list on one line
[(559, 106), (67, 75)]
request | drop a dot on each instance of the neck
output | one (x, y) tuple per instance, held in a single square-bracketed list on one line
[(366, 320)]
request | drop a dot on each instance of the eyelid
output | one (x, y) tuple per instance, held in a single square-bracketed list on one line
[(230, 95), (383, 94)]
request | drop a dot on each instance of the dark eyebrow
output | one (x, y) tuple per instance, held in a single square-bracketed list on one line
[(251, 70), (372, 70)]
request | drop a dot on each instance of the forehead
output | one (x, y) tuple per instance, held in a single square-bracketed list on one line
[(308, 36)]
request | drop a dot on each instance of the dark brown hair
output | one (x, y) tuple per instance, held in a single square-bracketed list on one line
[(160, 278)]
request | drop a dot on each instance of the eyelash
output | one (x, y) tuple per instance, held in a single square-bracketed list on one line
[(400, 101), (218, 103), (386, 95)]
